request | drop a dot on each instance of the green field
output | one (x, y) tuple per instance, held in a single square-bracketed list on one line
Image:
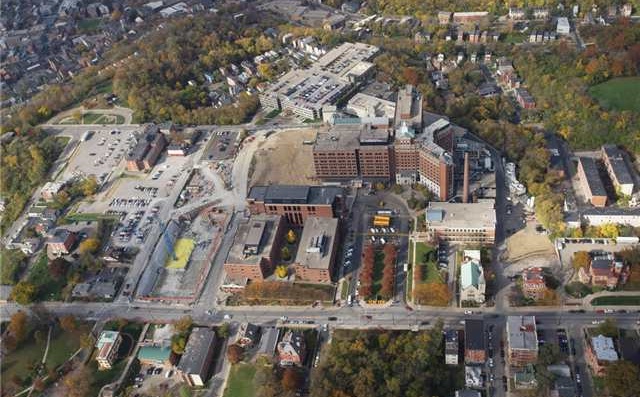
[(240, 383), (616, 301), (618, 94)]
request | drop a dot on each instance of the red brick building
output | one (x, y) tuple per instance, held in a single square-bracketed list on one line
[(147, 151), (533, 285), (296, 203), (256, 248)]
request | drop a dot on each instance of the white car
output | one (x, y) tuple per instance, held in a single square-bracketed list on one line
[(467, 312), (491, 363)]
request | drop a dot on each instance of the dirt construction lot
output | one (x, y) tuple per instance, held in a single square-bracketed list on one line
[(527, 243), (284, 159)]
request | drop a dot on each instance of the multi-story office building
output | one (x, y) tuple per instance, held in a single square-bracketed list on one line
[(305, 92), (462, 223), (256, 248), (317, 250), (296, 203)]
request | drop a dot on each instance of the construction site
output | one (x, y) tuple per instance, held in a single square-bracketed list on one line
[(182, 257)]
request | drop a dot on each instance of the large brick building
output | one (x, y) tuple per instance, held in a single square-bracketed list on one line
[(462, 223), (317, 250), (522, 340), (617, 169), (296, 203), (256, 248), (592, 186), (147, 151)]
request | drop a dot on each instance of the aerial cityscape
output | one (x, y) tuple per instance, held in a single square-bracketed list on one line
[(339, 198)]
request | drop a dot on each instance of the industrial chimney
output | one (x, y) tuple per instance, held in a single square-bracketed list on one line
[(465, 182)]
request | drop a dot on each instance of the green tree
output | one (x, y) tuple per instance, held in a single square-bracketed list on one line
[(23, 293), (622, 379), (178, 343), (286, 253), (89, 186), (12, 261), (608, 328), (224, 330)]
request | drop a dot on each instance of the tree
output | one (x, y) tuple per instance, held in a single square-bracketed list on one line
[(581, 259), (58, 268), (608, 328), (18, 326), (609, 230), (291, 237), (622, 379), (23, 293), (178, 343), (183, 325), (235, 353), (282, 271), (291, 379), (224, 330), (68, 323), (87, 341), (89, 186), (12, 261), (89, 246), (286, 253), (78, 383)]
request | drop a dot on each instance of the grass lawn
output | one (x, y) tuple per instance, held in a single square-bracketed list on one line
[(63, 345), (618, 94), (97, 118), (85, 217), (344, 290), (240, 382), (409, 288), (101, 378), (378, 267), (431, 274), (616, 301), (423, 250)]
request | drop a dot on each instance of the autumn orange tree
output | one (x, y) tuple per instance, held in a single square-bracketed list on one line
[(581, 259), (235, 353), (388, 273)]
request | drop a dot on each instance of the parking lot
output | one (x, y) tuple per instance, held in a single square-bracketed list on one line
[(154, 380), (99, 153), (221, 146)]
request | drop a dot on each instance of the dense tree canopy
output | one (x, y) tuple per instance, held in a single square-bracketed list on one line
[(371, 364)]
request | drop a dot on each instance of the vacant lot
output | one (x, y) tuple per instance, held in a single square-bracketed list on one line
[(618, 94), (240, 383), (94, 118), (284, 159), (527, 243)]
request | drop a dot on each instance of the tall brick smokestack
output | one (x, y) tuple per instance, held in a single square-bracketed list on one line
[(465, 182)]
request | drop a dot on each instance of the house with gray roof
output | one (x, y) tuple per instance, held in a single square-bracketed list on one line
[(195, 363), (472, 282)]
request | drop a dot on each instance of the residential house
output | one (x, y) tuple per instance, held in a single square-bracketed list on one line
[(563, 26), (472, 282), (605, 270), (292, 349), (195, 363), (525, 100), (108, 345), (473, 376), (249, 335), (61, 241), (268, 342), (533, 285), (50, 190), (600, 352)]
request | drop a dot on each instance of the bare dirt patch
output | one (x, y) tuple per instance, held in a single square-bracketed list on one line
[(284, 159), (527, 243)]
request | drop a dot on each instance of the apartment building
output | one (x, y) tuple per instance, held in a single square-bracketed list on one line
[(474, 342), (256, 248), (617, 169), (408, 108), (522, 340), (107, 345), (296, 203), (317, 250), (462, 223), (195, 363), (599, 353), (590, 181)]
